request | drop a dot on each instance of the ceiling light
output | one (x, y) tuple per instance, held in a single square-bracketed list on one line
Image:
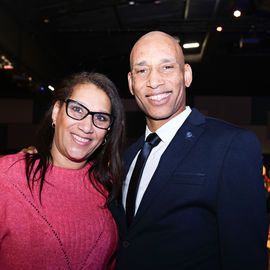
[(131, 3), (51, 87), (191, 45), (219, 28), (5, 63), (237, 13), (7, 67)]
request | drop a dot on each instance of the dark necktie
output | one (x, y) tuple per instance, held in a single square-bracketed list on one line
[(151, 141)]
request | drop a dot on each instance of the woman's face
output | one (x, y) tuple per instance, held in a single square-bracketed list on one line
[(75, 140)]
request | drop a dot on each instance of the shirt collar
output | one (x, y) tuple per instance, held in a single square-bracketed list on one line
[(169, 129)]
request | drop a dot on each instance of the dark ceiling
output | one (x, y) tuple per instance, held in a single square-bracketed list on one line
[(49, 39)]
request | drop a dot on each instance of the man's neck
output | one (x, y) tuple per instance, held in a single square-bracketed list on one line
[(154, 124)]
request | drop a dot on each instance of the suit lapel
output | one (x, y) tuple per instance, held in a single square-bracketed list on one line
[(131, 152), (118, 212), (179, 147), (116, 207)]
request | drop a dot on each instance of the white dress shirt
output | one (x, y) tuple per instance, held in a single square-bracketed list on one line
[(166, 134)]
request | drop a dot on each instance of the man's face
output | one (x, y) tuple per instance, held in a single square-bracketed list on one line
[(158, 78)]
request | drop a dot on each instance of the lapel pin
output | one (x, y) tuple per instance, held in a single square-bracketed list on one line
[(189, 135)]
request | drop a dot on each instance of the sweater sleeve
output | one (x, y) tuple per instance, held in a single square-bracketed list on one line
[(3, 208)]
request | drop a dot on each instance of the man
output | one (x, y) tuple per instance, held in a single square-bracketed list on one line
[(200, 203)]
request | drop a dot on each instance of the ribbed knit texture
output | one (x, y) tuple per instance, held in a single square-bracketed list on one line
[(70, 230)]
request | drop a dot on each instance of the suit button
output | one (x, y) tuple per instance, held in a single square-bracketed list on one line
[(125, 244)]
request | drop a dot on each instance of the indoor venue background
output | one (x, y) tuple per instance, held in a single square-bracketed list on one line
[(43, 41)]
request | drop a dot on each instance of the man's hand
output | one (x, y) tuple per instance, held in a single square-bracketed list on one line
[(29, 150)]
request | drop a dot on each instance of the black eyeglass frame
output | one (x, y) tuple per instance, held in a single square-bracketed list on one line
[(88, 112)]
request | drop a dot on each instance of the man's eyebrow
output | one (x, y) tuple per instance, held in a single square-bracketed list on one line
[(142, 63), (168, 60), (162, 61)]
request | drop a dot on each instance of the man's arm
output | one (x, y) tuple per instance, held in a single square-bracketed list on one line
[(30, 150), (242, 215)]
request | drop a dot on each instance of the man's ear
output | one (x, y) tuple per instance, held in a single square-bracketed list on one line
[(188, 75), (130, 83), (55, 111)]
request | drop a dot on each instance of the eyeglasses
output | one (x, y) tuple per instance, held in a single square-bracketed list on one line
[(77, 111)]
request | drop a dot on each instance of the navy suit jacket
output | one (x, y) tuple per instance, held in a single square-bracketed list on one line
[(205, 206)]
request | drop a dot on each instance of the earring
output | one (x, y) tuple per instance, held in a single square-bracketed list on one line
[(104, 142), (53, 125)]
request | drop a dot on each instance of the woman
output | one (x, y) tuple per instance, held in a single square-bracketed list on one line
[(53, 204)]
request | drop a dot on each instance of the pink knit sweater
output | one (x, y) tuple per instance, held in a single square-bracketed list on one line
[(71, 230)]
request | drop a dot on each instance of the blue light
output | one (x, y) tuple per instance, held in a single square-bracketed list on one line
[(42, 88)]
